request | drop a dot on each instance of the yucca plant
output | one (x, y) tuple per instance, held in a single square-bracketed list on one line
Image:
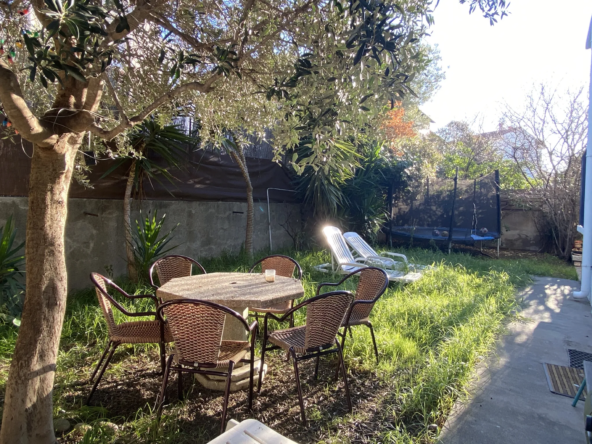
[(11, 262), (148, 243)]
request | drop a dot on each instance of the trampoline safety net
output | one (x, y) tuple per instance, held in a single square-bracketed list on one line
[(467, 209)]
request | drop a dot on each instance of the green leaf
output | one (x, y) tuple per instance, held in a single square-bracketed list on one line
[(74, 72), (366, 97), (360, 53), (53, 28)]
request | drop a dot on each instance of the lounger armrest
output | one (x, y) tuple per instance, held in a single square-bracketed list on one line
[(388, 253), (354, 264)]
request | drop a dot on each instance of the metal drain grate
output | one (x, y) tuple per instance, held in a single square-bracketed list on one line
[(577, 358)]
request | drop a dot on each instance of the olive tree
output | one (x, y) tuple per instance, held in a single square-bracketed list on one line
[(103, 67)]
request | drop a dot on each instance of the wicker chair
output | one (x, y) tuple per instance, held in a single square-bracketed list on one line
[(137, 332), (371, 285), (283, 266), (196, 327), (172, 266), (324, 316)]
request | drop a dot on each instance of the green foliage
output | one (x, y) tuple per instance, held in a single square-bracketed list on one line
[(66, 21), (366, 192), (350, 184), (11, 262), (511, 176), (322, 178), (149, 244), (152, 140)]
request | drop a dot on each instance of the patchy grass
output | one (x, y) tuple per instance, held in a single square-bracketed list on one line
[(430, 335)]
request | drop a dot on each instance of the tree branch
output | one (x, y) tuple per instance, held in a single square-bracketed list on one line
[(204, 88), (18, 111), (122, 114), (190, 40)]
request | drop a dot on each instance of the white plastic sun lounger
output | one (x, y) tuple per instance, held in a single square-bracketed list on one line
[(363, 251), (343, 261)]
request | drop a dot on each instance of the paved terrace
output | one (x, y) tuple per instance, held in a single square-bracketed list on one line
[(509, 400)]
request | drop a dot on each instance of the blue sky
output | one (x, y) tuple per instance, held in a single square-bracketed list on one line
[(540, 41)]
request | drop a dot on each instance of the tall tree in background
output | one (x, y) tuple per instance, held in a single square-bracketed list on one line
[(166, 53), (546, 139), (476, 153)]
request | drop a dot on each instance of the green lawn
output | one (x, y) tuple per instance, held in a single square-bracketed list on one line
[(430, 335)]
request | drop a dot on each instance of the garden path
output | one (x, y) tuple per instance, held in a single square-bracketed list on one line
[(509, 400)]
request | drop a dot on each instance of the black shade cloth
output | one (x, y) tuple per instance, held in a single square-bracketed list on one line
[(206, 176)]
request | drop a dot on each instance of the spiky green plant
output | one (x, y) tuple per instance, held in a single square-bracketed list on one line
[(148, 243), (11, 262)]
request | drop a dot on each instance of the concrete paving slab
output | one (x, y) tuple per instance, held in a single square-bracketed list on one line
[(509, 399)]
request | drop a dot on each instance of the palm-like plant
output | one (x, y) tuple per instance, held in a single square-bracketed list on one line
[(169, 143), (322, 180), (149, 244), (367, 190), (11, 261)]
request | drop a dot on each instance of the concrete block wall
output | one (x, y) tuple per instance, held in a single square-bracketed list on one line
[(95, 233), (520, 232)]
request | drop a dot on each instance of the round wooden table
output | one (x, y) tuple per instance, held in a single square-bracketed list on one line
[(238, 291)]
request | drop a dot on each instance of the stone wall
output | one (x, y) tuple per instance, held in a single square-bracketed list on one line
[(95, 236)]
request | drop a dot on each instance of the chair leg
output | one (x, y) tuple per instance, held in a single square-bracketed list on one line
[(342, 365), (92, 392), (342, 348), (580, 391), (262, 363), (316, 373), (373, 341), (162, 357), (180, 385), (100, 361), (161, 395), (298, 388), (226, 394), (251, 378)]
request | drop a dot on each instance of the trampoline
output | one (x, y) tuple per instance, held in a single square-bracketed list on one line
[(453, 211)]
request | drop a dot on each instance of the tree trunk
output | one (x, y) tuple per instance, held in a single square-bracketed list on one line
[(27, 417), (240, 159), (132, 272)]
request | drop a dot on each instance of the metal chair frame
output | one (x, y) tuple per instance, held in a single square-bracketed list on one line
[(346, 324), (112, 345), (254, 311), (155, 265), (315, 352), (202, 368)]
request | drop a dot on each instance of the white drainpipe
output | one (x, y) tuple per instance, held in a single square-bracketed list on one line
[(587, 232)]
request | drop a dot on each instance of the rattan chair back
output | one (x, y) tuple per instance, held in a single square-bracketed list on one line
[(101, 283), (371, 285), (171, 267), (196, 327), (324, 316), (283, 266)]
